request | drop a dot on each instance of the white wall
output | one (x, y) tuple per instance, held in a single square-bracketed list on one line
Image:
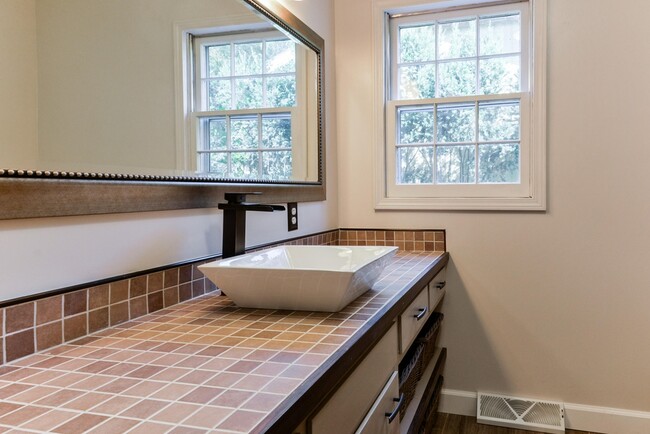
[(42, 254), (551, 305), (18, 84)]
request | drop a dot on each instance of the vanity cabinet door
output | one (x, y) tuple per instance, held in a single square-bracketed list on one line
[(437, 288), (383, 417), (345, 410), (413, 319)]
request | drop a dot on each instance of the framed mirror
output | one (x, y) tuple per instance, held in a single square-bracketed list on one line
[(141, 105)]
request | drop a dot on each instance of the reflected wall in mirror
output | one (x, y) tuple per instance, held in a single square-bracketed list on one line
[(191, 89)]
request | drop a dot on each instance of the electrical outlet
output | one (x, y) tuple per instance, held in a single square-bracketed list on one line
[(292, 216)]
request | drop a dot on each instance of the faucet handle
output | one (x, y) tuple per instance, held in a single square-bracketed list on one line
[(238, 197)]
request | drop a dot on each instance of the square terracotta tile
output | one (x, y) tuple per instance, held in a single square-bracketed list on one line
[(198, 287), (93, 381), (114, 425), (97, 319), (118, 313), (253, 382), (144, 409), (150, 428), (137, 286), (49, 309), (170, 374), (87, 401), (155, 282), (155, 301), (208, 417), (118, 385), (181, 411), (170, 277), (170, 296), (80, 424), (281, 385), (59, 398), (67, 379), (241, 420), (184, 291), (143, 389), (12, 389), (98, 296), (115, 405), (224, 379), (19, 317), (185, 274), (19, 344), (232, 398), (45, 422), (196, 377), (202, 395), (75, 326), (173, 391), (6, 407), (263, 402), (118, 291), (75, 302), (145, 371), (49, 335), (23, 415)]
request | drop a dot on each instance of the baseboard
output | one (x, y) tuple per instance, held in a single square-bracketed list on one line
[(579, 417)]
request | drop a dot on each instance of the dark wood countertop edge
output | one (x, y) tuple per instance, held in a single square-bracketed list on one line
[(322, 384)]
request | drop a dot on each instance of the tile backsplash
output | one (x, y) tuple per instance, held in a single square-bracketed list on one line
[(43, 323)]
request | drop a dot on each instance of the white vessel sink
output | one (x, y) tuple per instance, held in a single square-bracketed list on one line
[(317, 278)]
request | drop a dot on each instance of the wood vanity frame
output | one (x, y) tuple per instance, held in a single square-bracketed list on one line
[(323, 383)]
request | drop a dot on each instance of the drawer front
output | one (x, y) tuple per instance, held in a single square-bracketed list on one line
[(345, 410), (437, 288), (377, 421), (413, 319)]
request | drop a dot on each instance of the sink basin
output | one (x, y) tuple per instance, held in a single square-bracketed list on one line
[(316, 278)]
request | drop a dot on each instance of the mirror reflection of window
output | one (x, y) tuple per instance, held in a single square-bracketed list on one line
[(247, 88)]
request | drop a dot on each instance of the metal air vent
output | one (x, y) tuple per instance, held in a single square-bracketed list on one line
[(520, 413)]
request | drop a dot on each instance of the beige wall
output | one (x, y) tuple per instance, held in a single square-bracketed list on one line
[(44, 254), (18, 84), (551, 305), (107, 84)]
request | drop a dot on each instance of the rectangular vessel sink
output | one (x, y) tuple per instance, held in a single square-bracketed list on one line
[(316, 278)]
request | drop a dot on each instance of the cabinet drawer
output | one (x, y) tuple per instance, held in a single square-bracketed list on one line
[(413, 319), (345, 410), (437, 288), (377, 421)]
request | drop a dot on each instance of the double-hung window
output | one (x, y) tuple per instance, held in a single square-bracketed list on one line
[(460, 115), (245, 106)]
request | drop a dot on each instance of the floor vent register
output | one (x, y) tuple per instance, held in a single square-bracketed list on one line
[(520, 413)]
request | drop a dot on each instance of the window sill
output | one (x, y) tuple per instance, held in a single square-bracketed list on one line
[(462, 204)]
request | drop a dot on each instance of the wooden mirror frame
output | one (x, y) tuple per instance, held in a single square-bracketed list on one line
[(29, 194)]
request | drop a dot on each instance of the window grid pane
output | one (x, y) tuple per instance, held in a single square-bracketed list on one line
[(460, 57), (468, 143), (248, 146), (242, 75)]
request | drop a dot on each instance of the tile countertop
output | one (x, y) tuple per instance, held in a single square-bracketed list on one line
[(201, 366)]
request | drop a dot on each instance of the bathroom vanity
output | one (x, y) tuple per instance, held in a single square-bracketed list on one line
[(206, 365), (371, 400)]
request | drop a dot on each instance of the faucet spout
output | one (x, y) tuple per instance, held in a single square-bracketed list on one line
[(234, 221)]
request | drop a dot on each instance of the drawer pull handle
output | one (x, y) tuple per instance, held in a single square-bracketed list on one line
[(440, 285), (423, 312), (400, 402)]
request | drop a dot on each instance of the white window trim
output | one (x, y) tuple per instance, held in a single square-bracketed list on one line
[(298, 117), (304, 167), (183, 89), (534, 196)]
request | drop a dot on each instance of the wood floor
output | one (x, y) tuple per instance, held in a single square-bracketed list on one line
[(455, 424)]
